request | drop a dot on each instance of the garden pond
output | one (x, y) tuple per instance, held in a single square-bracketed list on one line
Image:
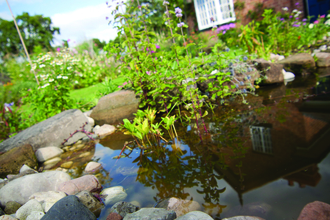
[(268, 158)]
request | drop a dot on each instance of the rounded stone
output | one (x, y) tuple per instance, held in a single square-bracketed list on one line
[(35, 215), (32, 205), (92, 167), (69, 207), (47, 153), (114, 194), (67, 165), (12, 207)]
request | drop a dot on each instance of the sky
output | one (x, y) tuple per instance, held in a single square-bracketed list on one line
[(78, 20)]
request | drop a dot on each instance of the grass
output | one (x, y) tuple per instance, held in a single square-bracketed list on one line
[(93, 93)]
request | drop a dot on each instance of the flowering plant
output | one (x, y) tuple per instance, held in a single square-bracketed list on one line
[(55, 74), (165, 79)]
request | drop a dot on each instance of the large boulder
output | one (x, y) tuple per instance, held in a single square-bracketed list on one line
[(19, 190), (50, 132), (323, 59), (272, 71), (114, 107), (70, 207), (315, 211), (12, 161), (151, 213), (300, 64)]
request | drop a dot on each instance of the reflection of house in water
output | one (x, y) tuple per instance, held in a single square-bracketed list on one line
[(289, 143), (261, 139)]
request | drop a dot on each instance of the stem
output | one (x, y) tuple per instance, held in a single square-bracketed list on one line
[(20, 36), (200, 113), (200, 136), (169, 25)]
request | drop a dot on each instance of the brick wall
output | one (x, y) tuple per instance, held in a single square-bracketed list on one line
[(277, 5)]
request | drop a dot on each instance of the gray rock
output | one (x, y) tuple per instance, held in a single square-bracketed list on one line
[(92, 203), (300, 64), (12, 160), (151, 214), (47, 199), (91, 121), (51, 162), (52, 131), (105, 130), (25, 169), (272, 71), (69, 207), (96, 128), (21, 189), (32, 205), (323, 59), (11, 207), (47, 153), (123, 208), (114, 107), (92, 167), (88, 183), (113, 194), (195, 215), (35, 215), (180, 206)]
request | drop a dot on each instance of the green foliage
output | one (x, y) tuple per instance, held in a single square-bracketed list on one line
[(167, 77), (35, 30)]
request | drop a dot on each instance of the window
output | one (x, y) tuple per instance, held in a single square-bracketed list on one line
[(261, 139), (214, 12)]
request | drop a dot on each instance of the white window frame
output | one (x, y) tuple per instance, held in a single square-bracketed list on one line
[(222, 12), (261, 139)]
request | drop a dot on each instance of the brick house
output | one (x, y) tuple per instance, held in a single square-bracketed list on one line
[(217, 12)]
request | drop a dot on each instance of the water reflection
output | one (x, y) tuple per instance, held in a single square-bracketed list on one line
[(279, 136)]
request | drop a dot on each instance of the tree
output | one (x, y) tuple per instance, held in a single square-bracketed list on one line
[(35, 30)]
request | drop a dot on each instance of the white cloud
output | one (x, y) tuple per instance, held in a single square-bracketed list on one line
[(83, 24), (6, 16)]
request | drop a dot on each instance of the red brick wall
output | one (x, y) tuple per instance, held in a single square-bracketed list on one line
[(277, 5)]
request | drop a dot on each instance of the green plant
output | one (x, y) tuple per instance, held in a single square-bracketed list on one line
[(168, 78), (143, 127), (52, 96), (108, 87)]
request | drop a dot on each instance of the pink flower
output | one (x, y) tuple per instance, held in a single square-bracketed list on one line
[(322, 16), (124, 83), (58, 49), (148, 73), (68, 40), (119, 86), (316, 22)]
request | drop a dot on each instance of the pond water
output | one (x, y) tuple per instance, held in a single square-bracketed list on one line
[(268, 159)]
